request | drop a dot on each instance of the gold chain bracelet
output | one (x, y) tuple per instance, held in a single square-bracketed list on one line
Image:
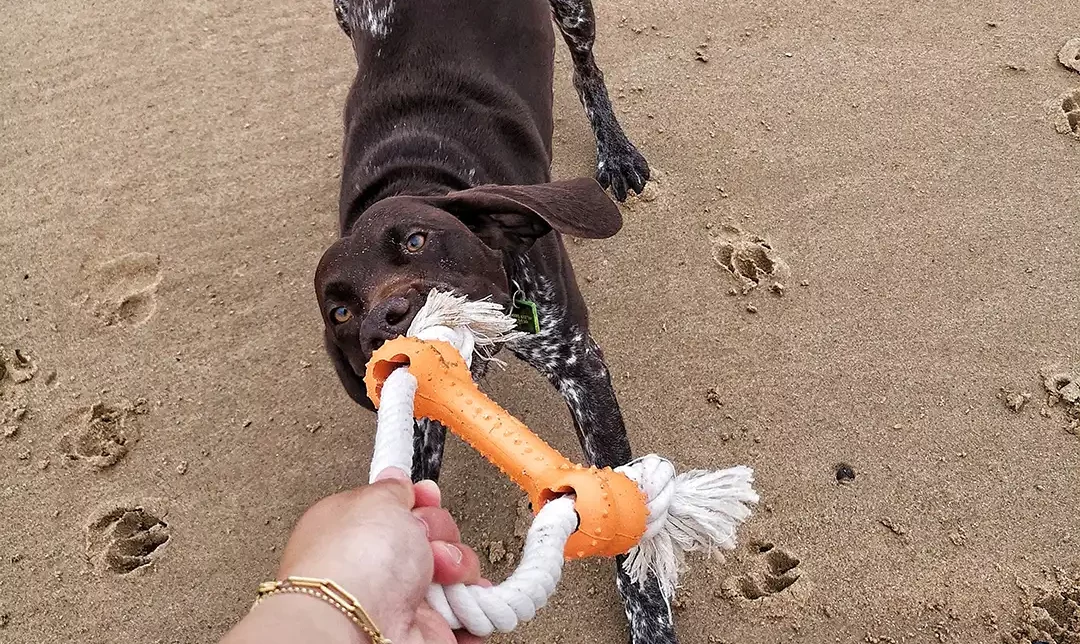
[(329, 592)]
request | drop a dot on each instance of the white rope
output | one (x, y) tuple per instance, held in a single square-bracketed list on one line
[(471, 328), (394, 427), (482, 610), (698, 510)]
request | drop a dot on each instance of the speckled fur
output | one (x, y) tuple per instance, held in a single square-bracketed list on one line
[(373, 16), (572, 361), (563, 350), (619, 164), (574, 364), (429, 437)]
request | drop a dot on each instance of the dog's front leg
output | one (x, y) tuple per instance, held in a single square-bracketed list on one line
[(574, 364), (619, 165), (429, 437)]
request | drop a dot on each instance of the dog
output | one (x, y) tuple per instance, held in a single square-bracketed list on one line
[(446, 185)]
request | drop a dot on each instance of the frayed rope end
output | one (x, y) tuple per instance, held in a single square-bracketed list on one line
[(704, 509), (479, 327)]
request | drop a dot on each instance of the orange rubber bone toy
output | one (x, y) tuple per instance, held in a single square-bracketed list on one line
[(611, 508), (643, 508)]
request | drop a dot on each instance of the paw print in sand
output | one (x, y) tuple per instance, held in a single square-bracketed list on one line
[(100, 435), (1069, 115), (773, 570), (750, 258), (1053, 615), (125, 538), (123, 291), (16, 366)]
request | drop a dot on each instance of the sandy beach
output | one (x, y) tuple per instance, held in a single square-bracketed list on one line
[(861, 249)]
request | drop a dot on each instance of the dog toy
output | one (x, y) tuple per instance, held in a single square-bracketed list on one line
[(642, 509)]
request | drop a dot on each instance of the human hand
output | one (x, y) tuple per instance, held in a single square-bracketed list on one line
[(385, 544)]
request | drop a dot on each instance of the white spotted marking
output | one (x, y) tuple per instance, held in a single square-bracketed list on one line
[(374, 17)]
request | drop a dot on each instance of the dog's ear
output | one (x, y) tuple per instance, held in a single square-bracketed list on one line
[(511, 218), (354, 385)]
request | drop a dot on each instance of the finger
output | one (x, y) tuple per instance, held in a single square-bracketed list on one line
[(455, 563), (392, 473), (428, 494), (465, 637), (440, 525), (397, 490)]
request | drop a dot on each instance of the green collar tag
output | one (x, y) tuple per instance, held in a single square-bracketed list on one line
[(525, 315)]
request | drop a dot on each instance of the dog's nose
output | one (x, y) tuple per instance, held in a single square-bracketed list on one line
[(389, 319)]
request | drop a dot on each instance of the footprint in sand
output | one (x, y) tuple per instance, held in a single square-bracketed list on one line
[(1069, 56), (16, 366), (125, 538), (773, 571), (124, 290), (750, 258), (101, 434), (1053, 615), (1069, 119), (1063, 388)]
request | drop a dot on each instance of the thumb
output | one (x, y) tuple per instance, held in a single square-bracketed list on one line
[(397, 485), (391, 473)]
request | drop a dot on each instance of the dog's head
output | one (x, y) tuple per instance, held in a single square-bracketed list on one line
[(371, 283)]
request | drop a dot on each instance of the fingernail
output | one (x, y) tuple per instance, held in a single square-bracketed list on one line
[(432, 487), (427, 528), (454, 552)]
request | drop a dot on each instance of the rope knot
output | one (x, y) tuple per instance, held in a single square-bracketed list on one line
[(697, 510), (656, 477)]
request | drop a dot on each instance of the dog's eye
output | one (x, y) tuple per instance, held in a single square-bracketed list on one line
[(340, 315), (415, 242)]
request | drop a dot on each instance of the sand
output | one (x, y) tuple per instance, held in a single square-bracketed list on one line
[(900, 179)]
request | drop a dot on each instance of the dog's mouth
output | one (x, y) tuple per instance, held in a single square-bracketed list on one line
[(481, 364), (416, 294)]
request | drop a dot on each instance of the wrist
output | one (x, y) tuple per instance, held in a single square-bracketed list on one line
[(370, 590), (362, 590), (292, 617)]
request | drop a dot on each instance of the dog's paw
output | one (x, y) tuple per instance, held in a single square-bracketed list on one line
[(621, 167)]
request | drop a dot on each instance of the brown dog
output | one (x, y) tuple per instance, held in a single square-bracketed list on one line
[(446, 185)]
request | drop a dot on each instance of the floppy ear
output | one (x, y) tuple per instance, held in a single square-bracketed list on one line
[(513, 217)]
